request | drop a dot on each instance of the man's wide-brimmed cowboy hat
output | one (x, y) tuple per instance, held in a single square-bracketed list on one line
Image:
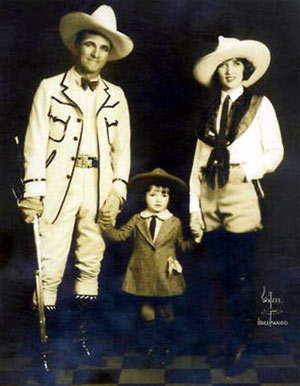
[(103, 21), (158, 177), (228, 48)]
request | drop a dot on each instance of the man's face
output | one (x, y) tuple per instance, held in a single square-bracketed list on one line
[(93, 51), (231, 74), (157, 199)]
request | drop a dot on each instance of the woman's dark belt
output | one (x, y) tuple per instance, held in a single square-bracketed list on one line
[(86, 161)]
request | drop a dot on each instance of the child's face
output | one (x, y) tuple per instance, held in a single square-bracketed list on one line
[(157, 199)]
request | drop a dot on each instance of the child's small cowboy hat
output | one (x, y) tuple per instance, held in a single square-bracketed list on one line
[(103, 20), (229, 48), (158, 177)]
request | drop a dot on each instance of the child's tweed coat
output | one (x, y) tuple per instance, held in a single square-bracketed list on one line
[(146, 273)]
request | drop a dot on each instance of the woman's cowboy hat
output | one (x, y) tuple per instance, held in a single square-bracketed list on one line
[(157, 177), (228, 48), (103, 20)]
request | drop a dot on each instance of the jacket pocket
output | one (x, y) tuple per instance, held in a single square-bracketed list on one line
[(111, 126), (59, 117)]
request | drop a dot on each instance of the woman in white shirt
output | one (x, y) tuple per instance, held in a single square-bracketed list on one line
[(238, 142)]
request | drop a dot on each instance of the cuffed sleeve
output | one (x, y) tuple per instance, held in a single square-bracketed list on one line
[(35, 147)]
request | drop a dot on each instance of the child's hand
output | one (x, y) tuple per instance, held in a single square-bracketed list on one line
[(173, 265), (197, 226)]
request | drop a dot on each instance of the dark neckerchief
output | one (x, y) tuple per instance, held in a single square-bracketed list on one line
[(218, 163)]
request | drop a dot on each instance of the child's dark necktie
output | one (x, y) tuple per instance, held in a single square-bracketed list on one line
[(152, 226)]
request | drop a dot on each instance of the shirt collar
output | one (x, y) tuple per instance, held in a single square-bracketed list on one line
[(233, 94), (76, 77), (164, 215)]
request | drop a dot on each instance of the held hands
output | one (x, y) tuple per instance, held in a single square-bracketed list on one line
[(109, 210), (197, 226), (31, 207)]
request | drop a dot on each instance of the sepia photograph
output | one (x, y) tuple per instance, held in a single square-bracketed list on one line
[(150, 195)]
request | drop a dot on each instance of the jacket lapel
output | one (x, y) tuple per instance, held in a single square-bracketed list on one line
[(250, 114), (142, 226), (103, 96), (165, 229), (70, 90)]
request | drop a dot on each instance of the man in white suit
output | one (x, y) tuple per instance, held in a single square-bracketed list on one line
[(77, 153)]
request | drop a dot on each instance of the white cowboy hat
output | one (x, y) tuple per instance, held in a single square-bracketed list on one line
[(103, 20), (228, 48)]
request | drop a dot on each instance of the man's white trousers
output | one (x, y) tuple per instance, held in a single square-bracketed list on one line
[(79, 211)]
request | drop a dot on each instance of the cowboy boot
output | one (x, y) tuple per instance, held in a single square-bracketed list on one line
[(85, 306)]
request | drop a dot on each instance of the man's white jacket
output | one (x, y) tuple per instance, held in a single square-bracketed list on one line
[(53, 139)]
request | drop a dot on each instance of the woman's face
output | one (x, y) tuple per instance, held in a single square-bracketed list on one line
[(231, 74)]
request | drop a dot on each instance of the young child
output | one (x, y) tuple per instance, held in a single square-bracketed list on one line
[(154, 274)]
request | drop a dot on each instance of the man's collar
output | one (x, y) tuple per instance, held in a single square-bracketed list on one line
[(233, 94), (164, 215)]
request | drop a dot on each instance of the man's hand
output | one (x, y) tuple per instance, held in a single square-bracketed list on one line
[(109, 210), (197, 226), (30, 207)]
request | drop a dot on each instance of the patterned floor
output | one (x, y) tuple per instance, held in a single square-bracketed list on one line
[(274, 358), (276, 363)]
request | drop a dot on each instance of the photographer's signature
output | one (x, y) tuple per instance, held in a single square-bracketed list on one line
[(272, 308)]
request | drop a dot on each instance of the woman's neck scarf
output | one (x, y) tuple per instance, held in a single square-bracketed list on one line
[(241, 114)]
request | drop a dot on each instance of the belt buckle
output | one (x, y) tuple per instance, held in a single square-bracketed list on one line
[(84, 161)]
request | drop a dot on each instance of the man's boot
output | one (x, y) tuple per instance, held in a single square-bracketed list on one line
[(85, 307)]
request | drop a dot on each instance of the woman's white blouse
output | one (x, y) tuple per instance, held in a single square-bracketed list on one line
[(258, 150)]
